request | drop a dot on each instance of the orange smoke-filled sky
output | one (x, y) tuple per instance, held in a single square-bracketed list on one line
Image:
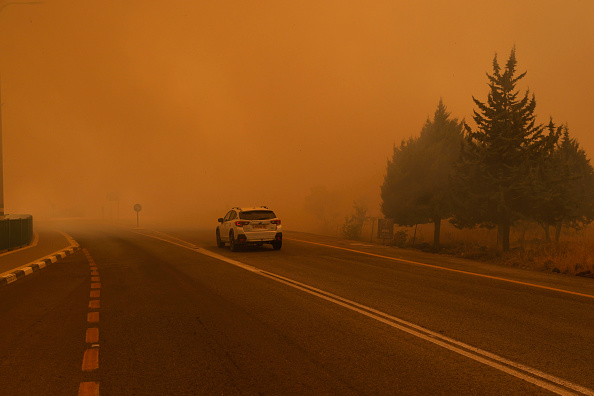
[(193, 106)]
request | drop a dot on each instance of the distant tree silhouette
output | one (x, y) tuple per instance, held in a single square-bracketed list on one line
[(541, 187), (324, 206), (353, 224), (416, 188), (564, 188)]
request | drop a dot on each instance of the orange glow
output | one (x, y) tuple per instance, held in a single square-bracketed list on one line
[(190, 108)]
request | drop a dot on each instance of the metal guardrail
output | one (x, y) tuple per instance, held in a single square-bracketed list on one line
[(15, 231)]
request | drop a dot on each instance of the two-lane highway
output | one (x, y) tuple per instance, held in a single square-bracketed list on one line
[(177, 315)]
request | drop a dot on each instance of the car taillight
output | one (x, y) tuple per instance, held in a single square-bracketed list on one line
[(241, 223), (277, 221)]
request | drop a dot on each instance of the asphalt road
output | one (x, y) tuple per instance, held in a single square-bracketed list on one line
[(175, 315)]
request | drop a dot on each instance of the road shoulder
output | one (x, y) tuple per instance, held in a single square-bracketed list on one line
[(50, 246)]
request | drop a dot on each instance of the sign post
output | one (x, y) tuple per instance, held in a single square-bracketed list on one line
[(385, 229), (137, 208)]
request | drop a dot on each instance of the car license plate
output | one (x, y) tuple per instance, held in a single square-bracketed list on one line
[(260, 226)]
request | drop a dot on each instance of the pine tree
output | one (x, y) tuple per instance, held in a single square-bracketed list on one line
[(416, 187), (544, 198), (568, 197), (397, 200), (498, 156)]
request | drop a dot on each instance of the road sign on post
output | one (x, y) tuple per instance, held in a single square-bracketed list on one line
[(385, 228), (137, 208)]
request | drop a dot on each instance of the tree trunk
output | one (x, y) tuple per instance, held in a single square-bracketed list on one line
[(436, 232), (503, 231), (523, 237), (547, 234), (558, 231)]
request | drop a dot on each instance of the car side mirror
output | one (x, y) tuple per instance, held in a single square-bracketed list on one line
[(220, 219)]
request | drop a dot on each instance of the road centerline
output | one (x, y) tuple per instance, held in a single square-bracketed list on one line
[(91, 355)]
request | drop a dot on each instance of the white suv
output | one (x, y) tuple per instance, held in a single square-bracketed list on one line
[(253, 226)]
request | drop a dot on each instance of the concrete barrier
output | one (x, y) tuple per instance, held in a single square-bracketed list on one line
[(15, 231)]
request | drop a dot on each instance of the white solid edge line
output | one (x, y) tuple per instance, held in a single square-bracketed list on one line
[(517, 370), (368, 311), (470, 273), (498, 362)]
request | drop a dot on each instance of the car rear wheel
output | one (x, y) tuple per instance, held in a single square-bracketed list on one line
[(277, 245), (232, 244), (220, 243)]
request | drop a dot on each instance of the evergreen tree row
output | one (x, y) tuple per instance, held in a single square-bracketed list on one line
[(508, 168)]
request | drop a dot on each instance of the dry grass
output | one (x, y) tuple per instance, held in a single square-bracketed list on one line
[(573, 255)]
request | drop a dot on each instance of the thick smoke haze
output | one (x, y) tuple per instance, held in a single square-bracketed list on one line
[(191, 107)]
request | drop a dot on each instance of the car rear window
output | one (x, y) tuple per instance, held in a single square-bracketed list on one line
[(257, 215)]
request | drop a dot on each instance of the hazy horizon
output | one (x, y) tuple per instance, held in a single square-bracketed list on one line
[(189, 108)]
